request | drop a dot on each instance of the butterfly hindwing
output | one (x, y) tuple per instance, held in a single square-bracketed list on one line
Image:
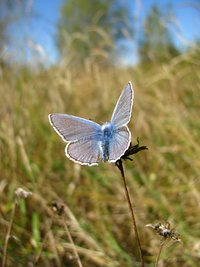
[(119, 143), (85, 152)]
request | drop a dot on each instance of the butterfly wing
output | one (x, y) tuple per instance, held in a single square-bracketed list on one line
[(72, 128), (119, 143), (85, 152), (83, 136), (122, 112)]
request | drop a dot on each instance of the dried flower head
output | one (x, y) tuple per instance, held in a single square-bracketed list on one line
[(57, 207), (165, 231), (133, 149), (20, 193)]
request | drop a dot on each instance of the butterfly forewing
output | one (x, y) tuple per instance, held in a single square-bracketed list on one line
[(122, 112), (72, 128), (119, 143)]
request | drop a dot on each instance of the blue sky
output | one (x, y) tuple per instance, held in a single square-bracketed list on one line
[(40, 31)]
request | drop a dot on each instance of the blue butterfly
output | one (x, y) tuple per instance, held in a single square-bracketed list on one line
[(88, 142)]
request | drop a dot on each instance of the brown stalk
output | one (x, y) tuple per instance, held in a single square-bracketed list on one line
[(8, 234), (159, 253), (120, 167), (73, 245)]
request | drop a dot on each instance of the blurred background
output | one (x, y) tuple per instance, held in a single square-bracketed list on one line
[(75, 57)]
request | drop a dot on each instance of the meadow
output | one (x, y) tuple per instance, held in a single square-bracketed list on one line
[(163, 181)]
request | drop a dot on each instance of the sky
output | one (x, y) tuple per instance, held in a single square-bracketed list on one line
[(39, 32)]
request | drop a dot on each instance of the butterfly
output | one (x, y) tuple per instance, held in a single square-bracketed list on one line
[(88, 142)]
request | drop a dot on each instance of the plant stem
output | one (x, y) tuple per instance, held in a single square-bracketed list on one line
[(120, 166), (72, 242), (159, 253), (8, 234), (42, 245)]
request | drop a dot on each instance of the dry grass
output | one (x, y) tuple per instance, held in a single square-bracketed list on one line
[(164, 181)]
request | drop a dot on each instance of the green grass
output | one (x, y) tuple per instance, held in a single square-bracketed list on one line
[(163, 181)]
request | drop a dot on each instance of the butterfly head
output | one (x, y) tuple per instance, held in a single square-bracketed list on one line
[(107, 130)]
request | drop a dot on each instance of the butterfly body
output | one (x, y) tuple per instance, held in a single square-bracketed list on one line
[(107, 136), (90, 143)]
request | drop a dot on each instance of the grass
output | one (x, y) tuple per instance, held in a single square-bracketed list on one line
[(163, 181)]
